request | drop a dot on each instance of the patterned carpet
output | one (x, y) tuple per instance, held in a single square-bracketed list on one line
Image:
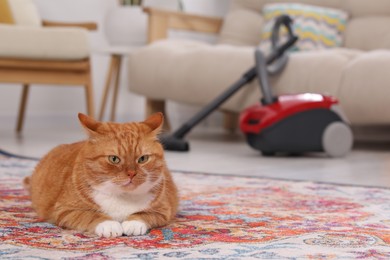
[(220, 218)]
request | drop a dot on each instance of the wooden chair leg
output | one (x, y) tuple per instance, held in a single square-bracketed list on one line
[(89, 97), (153, 106), (22, 107), (230, 121), (118, 61), (109, 78)]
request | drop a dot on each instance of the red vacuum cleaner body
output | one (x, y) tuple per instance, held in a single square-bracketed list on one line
[(296, 124)]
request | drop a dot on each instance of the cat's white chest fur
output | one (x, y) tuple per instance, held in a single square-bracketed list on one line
[(118, 205)]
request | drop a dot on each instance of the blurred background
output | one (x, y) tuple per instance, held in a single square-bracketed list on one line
[(60, 105)]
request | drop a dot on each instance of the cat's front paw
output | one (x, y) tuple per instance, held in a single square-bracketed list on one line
[(109, 228), (134, 228)]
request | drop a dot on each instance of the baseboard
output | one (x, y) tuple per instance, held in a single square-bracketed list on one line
[(372, 133)]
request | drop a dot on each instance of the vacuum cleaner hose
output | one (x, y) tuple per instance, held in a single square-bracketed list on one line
[(175, 142)]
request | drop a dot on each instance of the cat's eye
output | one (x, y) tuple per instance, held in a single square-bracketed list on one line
[(143, 159), (114, 159)]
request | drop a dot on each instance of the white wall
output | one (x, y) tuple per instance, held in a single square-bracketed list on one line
[(64, 102)]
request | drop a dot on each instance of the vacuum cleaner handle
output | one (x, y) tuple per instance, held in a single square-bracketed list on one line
[(262, 75), (278, 58), (287, 22), (279, 64), (279, 50)]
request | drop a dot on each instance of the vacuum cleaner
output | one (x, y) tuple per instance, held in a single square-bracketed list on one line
[(295, 124), (286, 124)]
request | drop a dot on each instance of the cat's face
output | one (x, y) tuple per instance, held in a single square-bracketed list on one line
[(123, 158)]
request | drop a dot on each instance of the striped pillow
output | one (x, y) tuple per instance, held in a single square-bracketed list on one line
[(317, 27)]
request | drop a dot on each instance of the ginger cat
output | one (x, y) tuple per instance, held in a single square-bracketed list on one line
[(114, 183)]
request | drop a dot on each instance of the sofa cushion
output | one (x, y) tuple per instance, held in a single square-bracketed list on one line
[(241, 27), (361, 8), (316, 72), (190, 72), (5, 12), (195, 73), (365, 89), (368, 33), (27, 42), (25, 13), (317, 27)]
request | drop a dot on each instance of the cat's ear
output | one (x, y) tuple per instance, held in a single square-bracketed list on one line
[(89, 124), (155, 122)]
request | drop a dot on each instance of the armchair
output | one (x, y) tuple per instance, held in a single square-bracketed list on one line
[(193, 72), (33, 51)]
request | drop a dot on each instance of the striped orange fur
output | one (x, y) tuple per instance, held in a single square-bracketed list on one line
[(114, 183)]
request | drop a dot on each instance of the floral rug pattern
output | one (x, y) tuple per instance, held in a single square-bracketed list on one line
[(221, 217)]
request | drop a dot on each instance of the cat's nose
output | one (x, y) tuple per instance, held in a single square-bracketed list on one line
[(131, 173)]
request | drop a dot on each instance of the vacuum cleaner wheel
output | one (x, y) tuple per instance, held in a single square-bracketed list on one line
[(337, 139)]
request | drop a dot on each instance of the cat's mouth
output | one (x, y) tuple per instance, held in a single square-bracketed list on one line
[(127, 183)]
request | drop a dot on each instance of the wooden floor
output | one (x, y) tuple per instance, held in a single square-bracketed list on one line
[(213, 151)]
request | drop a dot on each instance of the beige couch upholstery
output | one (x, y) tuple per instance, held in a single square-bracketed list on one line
[(26, 39), (51, 43), (195, 72)]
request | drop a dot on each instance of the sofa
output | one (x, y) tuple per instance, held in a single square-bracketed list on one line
[(195, 72)]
